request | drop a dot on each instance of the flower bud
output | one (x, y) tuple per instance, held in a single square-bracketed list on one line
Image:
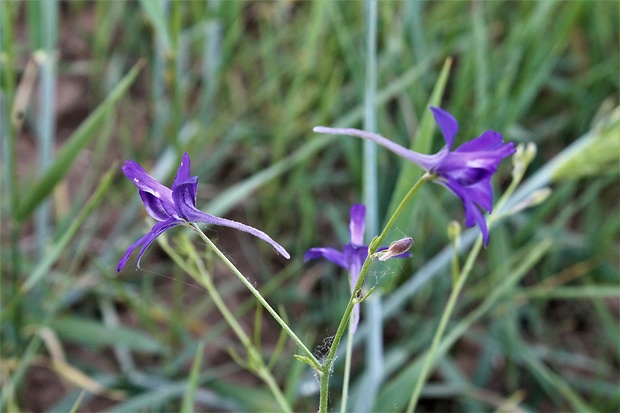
[(524, 155), (535, 198), (396, 248), (454, 230)]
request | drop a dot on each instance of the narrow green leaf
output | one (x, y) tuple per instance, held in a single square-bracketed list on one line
[(9, 388), (570, 292), (241, 190), (59, 246), (72, 148), (421, 143), (601, 156), (155, 14), (552, 381), (393, 394), (192, 383), (159, 391), (77, 403), (94, 334), (410, 172)]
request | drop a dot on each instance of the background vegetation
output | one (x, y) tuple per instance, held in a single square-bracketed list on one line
[(239, 85)]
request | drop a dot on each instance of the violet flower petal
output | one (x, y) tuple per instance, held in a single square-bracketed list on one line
[(357, 223), (356, 256), (147, 240), (447, 124), (156, 208), (330, 254), (472, 212), (481, 193), (488, 141), (184, 196), (146, 182), (183, 172)]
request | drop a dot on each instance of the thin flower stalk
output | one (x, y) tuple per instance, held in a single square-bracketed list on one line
[(443, 323), (460, 279), (372, 248), (309, 357), (255, 361)]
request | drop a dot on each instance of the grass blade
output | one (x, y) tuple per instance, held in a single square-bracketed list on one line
[(192, 382), (70, 151)]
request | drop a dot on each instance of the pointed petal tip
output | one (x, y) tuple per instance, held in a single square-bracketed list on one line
[(313, 254), (185, 159), (131, 168), (183, 172), (123, 261), (130, 162), (447, 123)]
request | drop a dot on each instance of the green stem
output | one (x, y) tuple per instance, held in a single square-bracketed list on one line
[(458, 286), (256, 361), (8, 132), (347, 372), (379, 240), (327, 366), (455, 267), (309, 357), (430, 358)]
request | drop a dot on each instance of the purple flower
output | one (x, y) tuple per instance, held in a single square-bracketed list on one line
[(466, 171), (352, 257), (176, 206)]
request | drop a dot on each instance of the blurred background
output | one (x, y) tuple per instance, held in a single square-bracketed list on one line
[(239, 85)]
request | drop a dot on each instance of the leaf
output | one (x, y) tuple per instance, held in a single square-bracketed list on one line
[(155, 13), (192, 383), (95, 334), (600, 156), (410, 172), (72, 148), (421, 143), (49, 259)]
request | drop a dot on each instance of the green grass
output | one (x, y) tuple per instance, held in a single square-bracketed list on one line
[(239, 85)]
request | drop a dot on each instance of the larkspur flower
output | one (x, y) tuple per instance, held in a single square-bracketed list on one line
[(466, 171), (176, 206), (353, 255)]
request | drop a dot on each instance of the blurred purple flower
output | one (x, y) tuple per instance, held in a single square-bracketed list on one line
[(466, 171), (353, 255), (176, 206)]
